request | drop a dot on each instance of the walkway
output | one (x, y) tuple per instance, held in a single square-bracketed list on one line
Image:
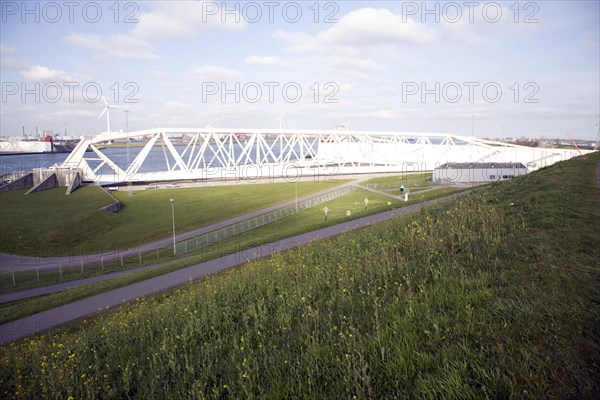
[(13, 262), (40, 322)]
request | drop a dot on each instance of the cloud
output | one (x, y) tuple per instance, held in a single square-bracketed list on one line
[(185, 19), (212, 72), (75, 113), (266, 61), (466, 32), (8, 59), (114, 46), (6, 50), (363, 65), (359, 30), (41, 73)]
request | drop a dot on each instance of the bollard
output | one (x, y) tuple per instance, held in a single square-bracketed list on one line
[(81, 266), (121, 260), (13, 275), (102, 262), (140, 255), (406, 196)]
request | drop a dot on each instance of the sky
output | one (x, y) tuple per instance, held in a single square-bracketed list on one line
[(488, 69)]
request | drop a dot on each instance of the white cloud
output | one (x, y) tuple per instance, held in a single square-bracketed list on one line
[(8, 59), (212, 72), (359, 30), (266, 60), (185, 19), (177, 105), (466, 32), (114, 46), (76, 113), (5, 50), (359, 64), (41, 73)]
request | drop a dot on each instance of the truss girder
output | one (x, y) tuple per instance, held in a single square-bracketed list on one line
[(189, 152)]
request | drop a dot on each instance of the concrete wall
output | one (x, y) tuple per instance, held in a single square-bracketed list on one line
[(48, 183), (19, 181), (42, 178), (21, 146), (114, 206)]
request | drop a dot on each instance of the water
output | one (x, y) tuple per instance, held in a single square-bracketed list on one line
[(12, 163), (123, 157)]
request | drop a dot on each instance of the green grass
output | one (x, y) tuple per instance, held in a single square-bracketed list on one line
[(391, 184), (295, 224), (49, 223), (408, 179), (492, 296)]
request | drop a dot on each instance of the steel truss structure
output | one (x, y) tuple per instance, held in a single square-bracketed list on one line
[(194, 154)]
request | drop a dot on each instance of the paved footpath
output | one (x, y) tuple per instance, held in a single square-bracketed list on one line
[(45, 320), (13, 262)]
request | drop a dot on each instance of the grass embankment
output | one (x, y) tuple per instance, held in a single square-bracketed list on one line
[(49, 223), (295, 224), (493, 296)]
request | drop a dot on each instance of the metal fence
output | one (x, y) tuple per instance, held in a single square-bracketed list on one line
[(212, 237), (122, 258)]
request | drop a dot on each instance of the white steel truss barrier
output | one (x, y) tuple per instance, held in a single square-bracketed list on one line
[(209, 153)]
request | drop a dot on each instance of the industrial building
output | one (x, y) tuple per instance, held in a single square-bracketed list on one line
[(477, 172)]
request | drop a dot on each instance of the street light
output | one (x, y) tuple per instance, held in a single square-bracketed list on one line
[(173, 217)]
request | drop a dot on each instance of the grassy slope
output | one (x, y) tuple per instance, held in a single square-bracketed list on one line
[(51, 224), (301, 222), (476, 299)]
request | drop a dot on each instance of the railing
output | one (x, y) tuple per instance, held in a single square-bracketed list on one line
[(212, 237), (121, 258)]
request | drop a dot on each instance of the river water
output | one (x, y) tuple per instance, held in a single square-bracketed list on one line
[(122, 156)]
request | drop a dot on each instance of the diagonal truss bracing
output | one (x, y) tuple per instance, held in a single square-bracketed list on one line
[(191, 153)]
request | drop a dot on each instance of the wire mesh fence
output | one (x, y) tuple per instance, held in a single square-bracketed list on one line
[(119, 259), (206, 239)]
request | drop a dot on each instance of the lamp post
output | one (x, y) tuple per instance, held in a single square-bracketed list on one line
[(173, 218)]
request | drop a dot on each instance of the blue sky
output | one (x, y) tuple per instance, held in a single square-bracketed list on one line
[(497, 68)]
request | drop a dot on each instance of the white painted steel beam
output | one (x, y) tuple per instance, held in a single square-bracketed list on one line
[(267, 152)]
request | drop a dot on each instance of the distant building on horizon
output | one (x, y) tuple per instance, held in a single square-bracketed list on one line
[(477, 172)]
